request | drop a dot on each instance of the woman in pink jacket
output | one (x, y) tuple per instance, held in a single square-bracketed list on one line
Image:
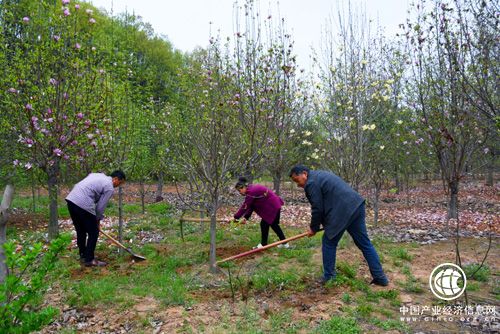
[(265, 203)]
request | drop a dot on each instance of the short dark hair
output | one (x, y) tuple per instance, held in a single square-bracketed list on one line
[(298, 169), (242, 182), (119, 174)]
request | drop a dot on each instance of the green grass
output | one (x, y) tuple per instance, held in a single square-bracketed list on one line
[(401, 253), (273, 279), (346, 269), (411, 284), (338, 325), (346, 298), (391, 324), (481, 275), (472, 286)]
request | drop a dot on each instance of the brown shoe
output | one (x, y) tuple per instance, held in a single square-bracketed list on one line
[(95, 263)]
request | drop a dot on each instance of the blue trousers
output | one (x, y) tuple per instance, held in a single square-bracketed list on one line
[(357, 230)]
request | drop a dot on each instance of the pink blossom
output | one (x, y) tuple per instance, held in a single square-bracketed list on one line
[(16, 162), (56, 38), (87, 123), (66, 157), (53, 81), (65, 2), (34, 119), (486, 150), (66, 96), (62, 139), (50, 120), (51, 163), (93, 143), (66, 12), (28, 165), (77, 6), (90, 135), (57, 152), (73, 143), (91, 20), (28, 106), (26, 19), (49, 111), (12, 90), (65, 117), (79, 115), (45, 131), (89, 11), (78, 46)]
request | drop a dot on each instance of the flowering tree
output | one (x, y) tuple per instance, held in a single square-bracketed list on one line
[(207, 139), (355, 94), (447, 116), (55, 87)]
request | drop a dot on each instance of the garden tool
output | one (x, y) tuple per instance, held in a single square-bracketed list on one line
[(116, 242), (256, 250)]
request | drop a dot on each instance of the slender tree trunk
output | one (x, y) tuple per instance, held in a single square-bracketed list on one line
[(4, 212), (33, 194), (213, 230), (397, 182), (143, 195), (453, 202), (159, 188), (53, 172), (120, 215), (277, 183), (375, 204), (490, 169)]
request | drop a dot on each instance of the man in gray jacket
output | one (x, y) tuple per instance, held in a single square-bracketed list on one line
[(86, 204), (336, 206)]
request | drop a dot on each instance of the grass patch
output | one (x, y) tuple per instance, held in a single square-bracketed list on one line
[(412, 284), (272, 279), (472, 286), (346, 269), (391, 324), (346, 298), (338, 325), (481, 275), (401, 253)]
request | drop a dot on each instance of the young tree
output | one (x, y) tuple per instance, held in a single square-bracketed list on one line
[(208, 146), (446, 116)]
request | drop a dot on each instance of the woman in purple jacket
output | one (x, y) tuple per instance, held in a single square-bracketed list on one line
[(265, 203)]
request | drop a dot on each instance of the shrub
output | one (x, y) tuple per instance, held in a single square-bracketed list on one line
[(25, 285)]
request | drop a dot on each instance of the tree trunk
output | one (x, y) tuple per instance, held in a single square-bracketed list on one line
[(213, 230), (4, 212), (397, 180), (159, 188), (120, 215), (490, 169), (53, 172), (143, 195), (453, 203), (277, 183), (375, 204), (33, 194)]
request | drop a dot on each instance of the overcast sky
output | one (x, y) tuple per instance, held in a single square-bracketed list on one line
[(186, 23)]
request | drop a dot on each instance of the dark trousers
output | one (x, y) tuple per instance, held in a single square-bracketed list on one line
[(357, 230), (87, 230), (264, 229)]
